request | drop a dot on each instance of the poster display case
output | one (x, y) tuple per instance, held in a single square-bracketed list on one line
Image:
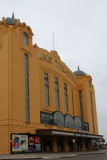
[(25, 143)]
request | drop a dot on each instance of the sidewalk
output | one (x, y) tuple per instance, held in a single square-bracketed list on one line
[(48, 155)]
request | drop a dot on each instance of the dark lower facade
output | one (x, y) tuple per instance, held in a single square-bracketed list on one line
[(48, 140), (62, 141), (65, 144)]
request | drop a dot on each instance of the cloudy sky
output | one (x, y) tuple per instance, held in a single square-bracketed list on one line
[(80, 30)]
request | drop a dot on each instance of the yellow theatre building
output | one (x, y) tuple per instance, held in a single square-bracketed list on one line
[(44, 106)]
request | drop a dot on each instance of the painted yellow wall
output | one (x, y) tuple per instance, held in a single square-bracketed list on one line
[(12, 85)]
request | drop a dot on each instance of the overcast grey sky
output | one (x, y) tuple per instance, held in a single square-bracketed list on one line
[(80, 28)]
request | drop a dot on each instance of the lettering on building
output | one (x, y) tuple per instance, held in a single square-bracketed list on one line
[(45, 57), (65, 70), (48, 58)]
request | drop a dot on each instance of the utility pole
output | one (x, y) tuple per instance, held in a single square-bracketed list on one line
[(53, 41)]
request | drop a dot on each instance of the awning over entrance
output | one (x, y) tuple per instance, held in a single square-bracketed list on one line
[(66, 133)]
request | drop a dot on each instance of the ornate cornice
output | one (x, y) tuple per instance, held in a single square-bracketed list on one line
[(55, 53), (24, 26), (35, 46)]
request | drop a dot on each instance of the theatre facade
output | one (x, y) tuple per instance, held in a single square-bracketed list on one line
[(44, 106)]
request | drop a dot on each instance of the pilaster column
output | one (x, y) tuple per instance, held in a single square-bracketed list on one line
[(42, 145), (10, 82), (89, 145), (54, 144), (83, 145), (75, 145), (66, 149)]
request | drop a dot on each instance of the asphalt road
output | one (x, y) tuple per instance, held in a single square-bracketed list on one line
[(90, 157), (79, 157)]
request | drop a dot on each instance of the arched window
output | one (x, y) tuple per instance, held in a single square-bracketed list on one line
[(25, 38)]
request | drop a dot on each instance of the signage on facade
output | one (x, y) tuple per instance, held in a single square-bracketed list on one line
[(25, 143), (92, 136), (63, 133), (78, 135), (48, 58), (65, 70), (45, 57), (83, 135)]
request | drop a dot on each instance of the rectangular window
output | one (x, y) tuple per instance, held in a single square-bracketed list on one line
[(26, 86), (81, 106), (66, 98), (92, 112), (46, 85), (57, 93), (73, 103), (89, 84), (25, 38)]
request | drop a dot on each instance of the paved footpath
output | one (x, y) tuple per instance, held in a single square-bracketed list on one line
[(48, 155)]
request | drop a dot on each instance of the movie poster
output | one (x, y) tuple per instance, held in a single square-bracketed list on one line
[(38, 146), (16, 143), (31, 143), (24, 142), (19, 143)]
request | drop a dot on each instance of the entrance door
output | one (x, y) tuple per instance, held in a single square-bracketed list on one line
[(60, 144), (70, 144), (47, 144)]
